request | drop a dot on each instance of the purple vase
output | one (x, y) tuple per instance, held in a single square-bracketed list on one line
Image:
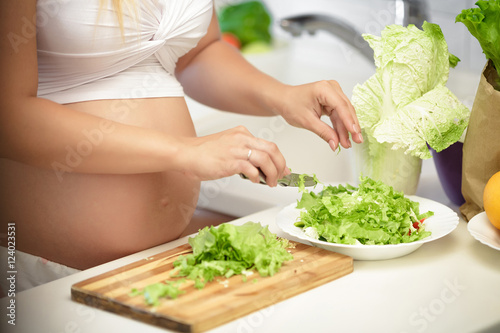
[(448, 164)]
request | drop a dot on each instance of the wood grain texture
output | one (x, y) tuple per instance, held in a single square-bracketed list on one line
[(221, 301)]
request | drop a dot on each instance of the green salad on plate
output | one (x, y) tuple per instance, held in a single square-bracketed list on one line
[(372, 213)]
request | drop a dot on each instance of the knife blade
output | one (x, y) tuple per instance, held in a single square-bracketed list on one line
[(291, 180)]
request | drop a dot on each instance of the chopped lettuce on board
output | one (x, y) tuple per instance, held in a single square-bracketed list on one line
[(222, 251), (370, 214), (406, 103), (227, 250), (153, 292)]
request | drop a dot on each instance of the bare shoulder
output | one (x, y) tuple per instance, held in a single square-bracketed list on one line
[(212, 35)]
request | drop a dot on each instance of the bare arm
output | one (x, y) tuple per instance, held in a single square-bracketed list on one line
[(216, 74)]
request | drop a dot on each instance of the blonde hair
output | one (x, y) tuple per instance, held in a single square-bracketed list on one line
[(119, 6)]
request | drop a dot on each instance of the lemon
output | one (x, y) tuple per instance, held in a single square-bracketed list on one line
[(491, 199)]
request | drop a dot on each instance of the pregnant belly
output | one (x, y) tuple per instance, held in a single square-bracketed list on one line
[(82, 220)]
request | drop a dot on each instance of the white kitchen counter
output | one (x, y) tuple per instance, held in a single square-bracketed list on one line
[(449, 285)]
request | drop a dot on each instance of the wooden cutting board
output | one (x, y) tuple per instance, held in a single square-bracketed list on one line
[(221, 301)]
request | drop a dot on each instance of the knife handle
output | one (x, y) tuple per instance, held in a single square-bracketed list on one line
[(262, 177)]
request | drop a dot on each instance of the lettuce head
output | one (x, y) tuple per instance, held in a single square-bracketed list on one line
[(406, 103), (483, 23)]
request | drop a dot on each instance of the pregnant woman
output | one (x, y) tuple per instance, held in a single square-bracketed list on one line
[(98, 154)]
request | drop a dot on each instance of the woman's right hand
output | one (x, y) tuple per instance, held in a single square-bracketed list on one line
[(233, 151)]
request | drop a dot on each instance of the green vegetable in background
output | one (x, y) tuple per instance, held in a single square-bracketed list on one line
[(405, 103), (371, 214), (249, 21), (484, 24)]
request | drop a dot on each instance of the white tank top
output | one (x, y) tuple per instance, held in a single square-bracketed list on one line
[(83, 55)]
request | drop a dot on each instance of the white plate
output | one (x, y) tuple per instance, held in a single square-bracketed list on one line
[(444, 221), (481, 229)]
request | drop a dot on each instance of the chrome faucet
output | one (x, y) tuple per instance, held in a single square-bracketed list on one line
[(411, 12), (406, 12)]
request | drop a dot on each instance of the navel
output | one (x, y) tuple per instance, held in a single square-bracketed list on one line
[(164, 202)]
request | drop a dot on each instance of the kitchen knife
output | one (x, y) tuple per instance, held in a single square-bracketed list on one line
[(291, 180)]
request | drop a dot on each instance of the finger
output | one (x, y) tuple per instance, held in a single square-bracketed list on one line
[(340, 126), (245, 167), (263, 161), (339, 103), (342, 132), (250, 171), (324, 131), (275, 155), (358, 137)]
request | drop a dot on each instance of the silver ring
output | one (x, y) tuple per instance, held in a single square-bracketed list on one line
[(249, 154)]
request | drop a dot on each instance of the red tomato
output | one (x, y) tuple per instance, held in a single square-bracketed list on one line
[(231, 39), (417, 225)]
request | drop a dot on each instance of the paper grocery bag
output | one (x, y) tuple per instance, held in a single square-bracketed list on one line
[(481, 151)]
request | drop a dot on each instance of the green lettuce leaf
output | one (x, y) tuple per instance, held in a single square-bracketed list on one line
[(153, 292), (483, 24), (405, 103), (437, 118), (412, 61)]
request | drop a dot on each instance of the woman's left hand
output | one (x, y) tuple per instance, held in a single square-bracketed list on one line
[(303, 105)]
